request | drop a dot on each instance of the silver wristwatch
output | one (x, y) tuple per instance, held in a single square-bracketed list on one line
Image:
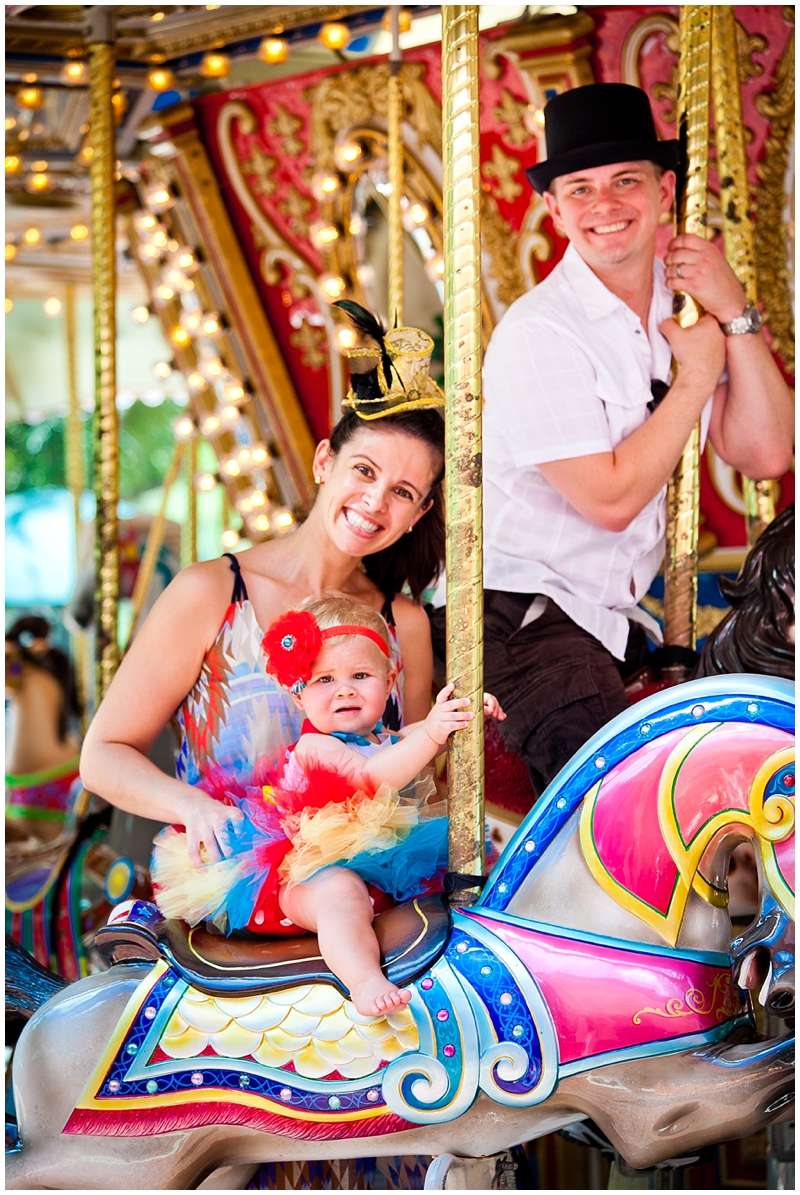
[(748, 321)]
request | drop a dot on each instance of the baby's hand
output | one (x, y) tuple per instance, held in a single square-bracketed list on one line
[(208, 832), (492, 708), (447, 715)]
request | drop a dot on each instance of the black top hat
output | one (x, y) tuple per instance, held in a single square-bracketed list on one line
[(598, 125)]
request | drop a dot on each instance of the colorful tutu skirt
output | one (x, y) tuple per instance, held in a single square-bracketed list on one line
[(306, 818)]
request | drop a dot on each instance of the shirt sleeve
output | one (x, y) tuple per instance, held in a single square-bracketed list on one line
[(541, 395)]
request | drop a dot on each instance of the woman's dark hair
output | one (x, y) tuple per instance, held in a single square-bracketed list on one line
[(754, 635), (52, 660), (415, 559)]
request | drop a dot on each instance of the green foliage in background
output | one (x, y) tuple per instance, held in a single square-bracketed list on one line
[(35, 451)]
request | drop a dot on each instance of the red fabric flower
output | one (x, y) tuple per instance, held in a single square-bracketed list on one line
[(292, 643)]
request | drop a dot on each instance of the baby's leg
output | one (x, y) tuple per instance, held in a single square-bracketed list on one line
[(337, 906)]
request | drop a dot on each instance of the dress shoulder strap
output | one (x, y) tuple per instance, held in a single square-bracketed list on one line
[(239, 588), (386, 610)]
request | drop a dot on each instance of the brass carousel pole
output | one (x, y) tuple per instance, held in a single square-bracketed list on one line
[(463, 494), (106, 452), (759, 496), (680, 575), (76, 479), (396, 263)]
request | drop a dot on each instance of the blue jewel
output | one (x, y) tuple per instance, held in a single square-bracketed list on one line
[(287, 642)]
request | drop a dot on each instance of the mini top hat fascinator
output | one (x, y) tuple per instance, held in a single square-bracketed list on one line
[(399, 379), (597, 125)]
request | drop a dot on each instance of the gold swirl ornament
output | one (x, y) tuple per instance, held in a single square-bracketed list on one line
[(313, 1027)]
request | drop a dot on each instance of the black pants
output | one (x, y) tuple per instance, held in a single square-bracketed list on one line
[(556, 682)]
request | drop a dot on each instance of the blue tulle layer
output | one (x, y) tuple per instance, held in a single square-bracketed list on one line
[(403, 870)]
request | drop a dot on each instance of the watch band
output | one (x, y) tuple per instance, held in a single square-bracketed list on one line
[(748, 321)]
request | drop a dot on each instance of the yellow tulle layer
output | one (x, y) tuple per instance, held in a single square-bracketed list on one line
[(186, 892), (338, 832)]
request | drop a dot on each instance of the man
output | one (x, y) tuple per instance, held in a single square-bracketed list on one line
[(584, 423)]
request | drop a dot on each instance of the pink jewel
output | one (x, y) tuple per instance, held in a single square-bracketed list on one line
[(443, 1015), (286, 1094), (259, 917), (197, 1079), (372, 1095), (149, 1012), (427, 984), (113, 1085), (449, 1051)]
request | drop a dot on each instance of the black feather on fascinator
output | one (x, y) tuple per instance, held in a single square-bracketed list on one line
[(401, 381)]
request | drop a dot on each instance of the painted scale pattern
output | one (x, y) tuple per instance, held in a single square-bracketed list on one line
[(313, 1028)]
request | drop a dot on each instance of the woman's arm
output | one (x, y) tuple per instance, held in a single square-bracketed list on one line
[(414, 633), (153, 679)]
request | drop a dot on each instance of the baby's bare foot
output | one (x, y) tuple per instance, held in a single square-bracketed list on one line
[(377, 996)]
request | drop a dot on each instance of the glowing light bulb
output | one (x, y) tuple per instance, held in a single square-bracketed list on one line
[(334, 36), (11, 251), (230, 414), (205, 482), (258, 498), (244, 505), (162, 369), (211, 326), (232, 467), (159, 238), (183, 427), (52, 307), (243, 456), (333, 285), (346, 337), (39, 166), (157, 16), (283, 518), (210, 424), (212, 368), (186, 260), (235, 392), (31, 98), (418, 213), (196, 381), (261, 522), (31, 236), (74, 72), (144, 221), (273, 50), (259, 454), (11, 123), (438, 267), (190, 320), (79, 232), (13, 164), (215, 66), (159, 198), (230, 538), (349, 153), (9, 305), (140, 315), (324, 234), (150, 252), (164, 293), (179, 336), (325, 185), (86, 153), (38, 183), (160, 79)]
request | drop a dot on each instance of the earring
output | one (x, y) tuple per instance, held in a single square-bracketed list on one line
[(409, 530), (317, 481)]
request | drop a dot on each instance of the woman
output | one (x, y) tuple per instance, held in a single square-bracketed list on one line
[(377, 524)]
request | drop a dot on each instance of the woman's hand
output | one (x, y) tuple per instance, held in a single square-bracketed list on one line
[(447, 715), (492, 708), (208, 830)]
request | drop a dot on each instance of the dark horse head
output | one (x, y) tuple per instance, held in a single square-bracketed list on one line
[(754, 636)]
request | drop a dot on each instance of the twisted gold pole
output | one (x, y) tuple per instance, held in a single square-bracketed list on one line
[(106, 449), (396, 263), (76, 479), (759, 496), (680, 577), (462, 367)]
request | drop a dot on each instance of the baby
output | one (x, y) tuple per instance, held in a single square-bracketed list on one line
[(335, 819)]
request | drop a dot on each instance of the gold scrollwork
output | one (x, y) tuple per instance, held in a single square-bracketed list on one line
[(261, 167), (773, 268), (512, 112), (722, 1001), (503, 170), (284, 126), (311, 342), (501, 245)]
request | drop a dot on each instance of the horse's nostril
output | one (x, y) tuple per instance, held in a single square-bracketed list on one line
[(781, 1002)]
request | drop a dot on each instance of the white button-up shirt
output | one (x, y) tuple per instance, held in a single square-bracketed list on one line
[(568, 374)]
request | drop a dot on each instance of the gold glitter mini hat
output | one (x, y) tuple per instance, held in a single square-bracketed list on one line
[(396, 377)]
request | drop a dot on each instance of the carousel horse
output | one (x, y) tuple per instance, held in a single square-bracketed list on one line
[(594, 978), (61, 877)]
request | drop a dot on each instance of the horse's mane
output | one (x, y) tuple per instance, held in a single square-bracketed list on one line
[(51, 660), (753, 636)]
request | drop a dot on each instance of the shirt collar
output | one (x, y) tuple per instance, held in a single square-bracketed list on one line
[(597, 300)]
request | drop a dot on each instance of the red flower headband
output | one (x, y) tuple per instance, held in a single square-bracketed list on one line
[(294, 640)]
